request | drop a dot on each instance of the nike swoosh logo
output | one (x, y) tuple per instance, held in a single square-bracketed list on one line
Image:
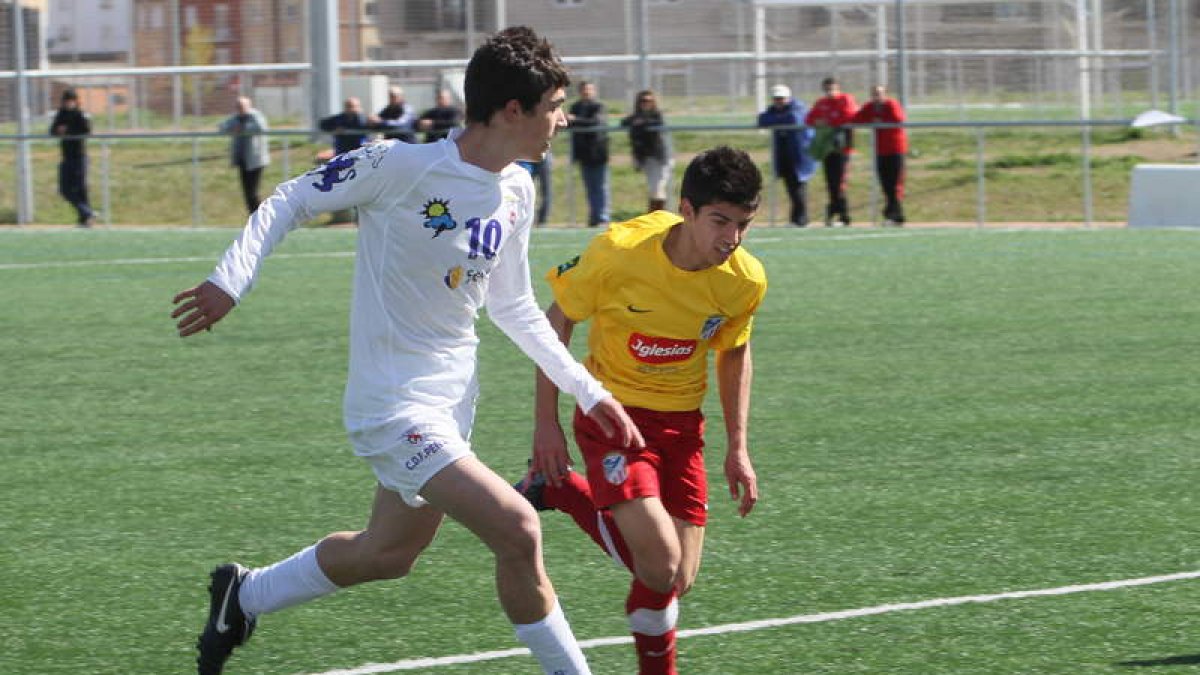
[(223, 627), (636, 310)]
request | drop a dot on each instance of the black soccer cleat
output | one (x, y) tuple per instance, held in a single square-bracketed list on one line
[(532, 487), (228, 626)]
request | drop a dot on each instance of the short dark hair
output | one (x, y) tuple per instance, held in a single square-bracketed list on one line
[(828, 81), (70, 95), (513, 64), (722, 174)]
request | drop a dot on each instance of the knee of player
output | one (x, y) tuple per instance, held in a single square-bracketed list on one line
[(659, 575), (520, 537)]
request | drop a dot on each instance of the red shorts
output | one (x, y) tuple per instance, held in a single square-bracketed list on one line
[(670, 467)]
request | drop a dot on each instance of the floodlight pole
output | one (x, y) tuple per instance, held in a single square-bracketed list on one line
[(760, 53), (323, 38), (901, 89), (643, 36), (24, 171)]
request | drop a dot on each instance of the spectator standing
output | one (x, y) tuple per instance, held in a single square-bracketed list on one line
[(396, 119), (651, 146), (833, 145), (542, 173), (589, 149), (790, 149), (71, 123), (891, 145), (441, 118), (349, 127), (249, 150)]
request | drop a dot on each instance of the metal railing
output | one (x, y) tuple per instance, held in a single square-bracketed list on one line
[(291, 141)]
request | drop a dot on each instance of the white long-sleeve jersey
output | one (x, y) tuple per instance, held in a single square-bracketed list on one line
[(438, 238)]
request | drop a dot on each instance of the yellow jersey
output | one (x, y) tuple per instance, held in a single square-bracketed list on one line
[(653, 323)]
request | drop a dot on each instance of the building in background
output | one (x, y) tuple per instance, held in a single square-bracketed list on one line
[(89, 31)]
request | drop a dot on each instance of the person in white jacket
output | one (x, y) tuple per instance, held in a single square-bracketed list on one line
[(443, 230), (249, 149)]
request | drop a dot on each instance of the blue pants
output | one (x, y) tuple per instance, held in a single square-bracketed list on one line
[(595, 181)]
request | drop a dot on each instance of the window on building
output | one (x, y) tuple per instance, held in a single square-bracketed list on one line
[(153, 16), (191, 16), (370, 12), (291, 12), (435, 15), (221, 27), (1016, 12)]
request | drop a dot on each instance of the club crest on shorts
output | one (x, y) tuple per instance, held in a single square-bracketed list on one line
[(614, 468)]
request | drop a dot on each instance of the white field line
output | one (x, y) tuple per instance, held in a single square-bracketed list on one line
[(763, 239), (431, 662), (156, 261)]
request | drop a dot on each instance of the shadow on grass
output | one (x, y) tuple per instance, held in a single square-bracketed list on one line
[(1183, 660)]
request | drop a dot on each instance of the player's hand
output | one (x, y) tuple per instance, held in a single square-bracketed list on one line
[(612, 419), (550, 455), (743, 483), (200, 307)]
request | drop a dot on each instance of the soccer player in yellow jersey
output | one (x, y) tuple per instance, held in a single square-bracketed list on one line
[(661, 291)]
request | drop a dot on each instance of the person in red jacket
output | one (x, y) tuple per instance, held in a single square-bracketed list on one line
[(891, 145), (828, 114)]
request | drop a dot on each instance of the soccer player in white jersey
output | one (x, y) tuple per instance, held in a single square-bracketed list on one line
[(446, 226)]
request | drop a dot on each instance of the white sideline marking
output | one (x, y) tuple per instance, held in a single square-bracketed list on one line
[(822, 617), (157, 261), (764, 239)]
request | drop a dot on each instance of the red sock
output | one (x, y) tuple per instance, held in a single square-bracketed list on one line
[(574, 498), (652, 618)]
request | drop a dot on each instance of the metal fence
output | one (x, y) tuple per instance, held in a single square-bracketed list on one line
[(149, 65), (184, 178)]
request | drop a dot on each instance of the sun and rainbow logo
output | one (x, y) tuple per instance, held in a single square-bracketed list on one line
[(437, 216)]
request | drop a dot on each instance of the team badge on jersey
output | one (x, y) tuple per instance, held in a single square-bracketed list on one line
[(711, 325), (563, 268), (614, 468), (437, 216)]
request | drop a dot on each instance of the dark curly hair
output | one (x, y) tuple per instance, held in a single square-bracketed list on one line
[(722, 174), (513, 64)]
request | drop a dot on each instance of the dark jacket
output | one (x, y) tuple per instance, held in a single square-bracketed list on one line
[(645, 141), (396, 121), (589, 147), (790, 145), (345, 142), (77, 124), (444, 119)]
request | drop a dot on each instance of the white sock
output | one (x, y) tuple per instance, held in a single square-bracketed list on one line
[(288, 582), (553, 644)]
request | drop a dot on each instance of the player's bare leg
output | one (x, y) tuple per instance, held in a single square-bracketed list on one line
[(661, 568), (486, 504), (395, 536)]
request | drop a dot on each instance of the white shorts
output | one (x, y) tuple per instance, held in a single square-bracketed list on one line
[(408, 451)]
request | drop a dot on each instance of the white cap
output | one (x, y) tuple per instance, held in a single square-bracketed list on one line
[(781, 91)]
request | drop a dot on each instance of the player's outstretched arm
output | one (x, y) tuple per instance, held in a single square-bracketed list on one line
[(734, 372), (200, 307)]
